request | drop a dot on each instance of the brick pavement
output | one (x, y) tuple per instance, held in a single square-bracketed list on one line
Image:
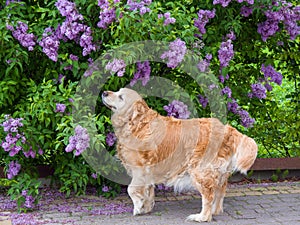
[(256, 204)]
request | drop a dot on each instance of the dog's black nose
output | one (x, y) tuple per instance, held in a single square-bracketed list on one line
[(104, 94)]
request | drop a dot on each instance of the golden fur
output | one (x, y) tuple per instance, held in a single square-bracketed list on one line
[(194, 153)]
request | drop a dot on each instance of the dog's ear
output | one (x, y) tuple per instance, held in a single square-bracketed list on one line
[(139, 108)]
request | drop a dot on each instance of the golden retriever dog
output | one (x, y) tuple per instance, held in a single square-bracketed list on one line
[(198, 153)]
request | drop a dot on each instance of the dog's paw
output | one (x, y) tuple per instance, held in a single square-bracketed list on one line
[(136, 212), (199, 218)]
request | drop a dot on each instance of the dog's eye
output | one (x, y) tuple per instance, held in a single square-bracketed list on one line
[(121, 97)]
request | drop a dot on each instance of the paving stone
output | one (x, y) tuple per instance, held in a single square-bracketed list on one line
[(251, 193), (270, 192), (234, 194), (295, 191), (5, 221)]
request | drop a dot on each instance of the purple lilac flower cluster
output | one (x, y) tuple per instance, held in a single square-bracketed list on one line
[(50, 43), (225, 3), (27, 40), (72, 28), (13, 169), (29, 200), (105, 189), (222, 78), (271, 74), (226, 91), (94, 175), (86, 41), (116, 66), (288, 15), (60, 107), (225, 53), (140, 6), (11, 124), (79, 142), (31, 153), (74, 57), (175, 54), (68, 9), (142, 73), (203, 65), (203, 19), (10, 1), (177, 109), (246, 11), (245, 118), (203, 100), (258, 91), (110, 139), (13, 138), (90, 69), (233, 106), (168, 19), (107, 14)]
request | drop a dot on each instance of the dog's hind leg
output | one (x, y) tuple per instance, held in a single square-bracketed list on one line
[(217, 207), (206, 184)]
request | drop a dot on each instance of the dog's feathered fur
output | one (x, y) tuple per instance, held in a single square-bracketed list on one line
[(199, 153)]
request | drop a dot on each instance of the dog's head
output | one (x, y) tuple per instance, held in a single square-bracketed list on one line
[(120, 101)]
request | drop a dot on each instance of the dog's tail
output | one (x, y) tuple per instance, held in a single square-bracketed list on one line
[(245, 155)]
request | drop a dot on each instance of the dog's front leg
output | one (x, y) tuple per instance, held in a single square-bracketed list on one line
[(142, 198)]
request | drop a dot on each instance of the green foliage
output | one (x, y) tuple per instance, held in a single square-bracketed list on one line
[(279, 175)]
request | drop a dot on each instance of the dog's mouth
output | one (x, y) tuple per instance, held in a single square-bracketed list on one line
[(108, 105)]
